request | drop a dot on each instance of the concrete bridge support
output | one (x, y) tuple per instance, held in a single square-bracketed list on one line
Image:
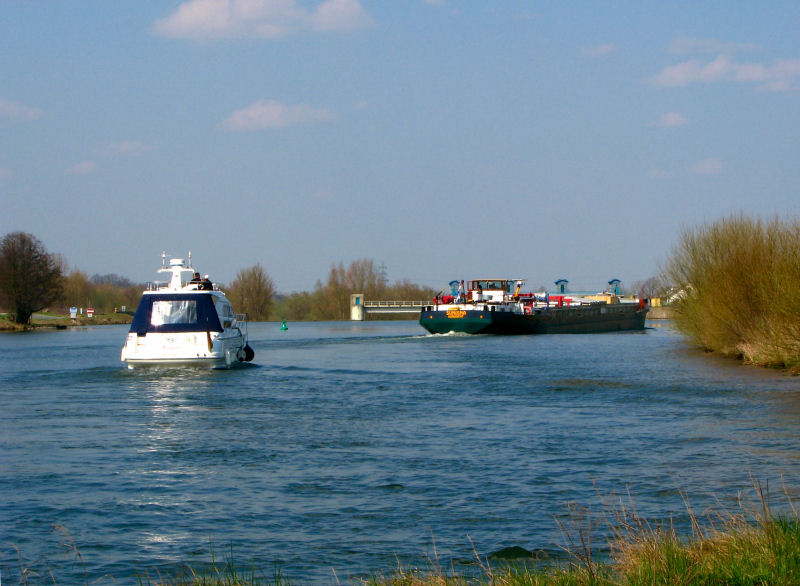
[(357, 307)]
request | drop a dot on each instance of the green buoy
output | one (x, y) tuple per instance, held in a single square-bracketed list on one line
[(284, 327)]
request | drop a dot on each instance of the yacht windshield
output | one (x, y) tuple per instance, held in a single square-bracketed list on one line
[(183, 311)]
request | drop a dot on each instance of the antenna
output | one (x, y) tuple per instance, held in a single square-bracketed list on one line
[(164, 259)]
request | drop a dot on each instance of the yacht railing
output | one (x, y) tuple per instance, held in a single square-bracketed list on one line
[(241, 323)]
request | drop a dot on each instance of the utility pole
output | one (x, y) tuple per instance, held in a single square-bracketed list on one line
[(382, 279)]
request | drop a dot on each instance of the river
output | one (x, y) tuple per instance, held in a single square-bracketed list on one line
[(349, 448)]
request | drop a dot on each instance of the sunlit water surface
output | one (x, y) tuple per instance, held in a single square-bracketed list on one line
[(347, 448)]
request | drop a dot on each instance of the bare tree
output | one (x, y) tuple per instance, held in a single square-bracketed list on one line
[(653, 287), (252, 292), (405, 290), (30, 277), (77, 289), (332, 300)]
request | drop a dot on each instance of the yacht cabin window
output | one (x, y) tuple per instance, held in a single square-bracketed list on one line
[(179, 311)]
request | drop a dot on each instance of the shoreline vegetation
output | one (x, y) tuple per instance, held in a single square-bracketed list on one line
[(737, 289), (62, 321), (732, 288), (28, 286), (33, 281), (749, 545)]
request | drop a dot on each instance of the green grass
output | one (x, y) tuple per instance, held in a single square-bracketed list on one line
[(742, 548), (224, 573), (749, 546)]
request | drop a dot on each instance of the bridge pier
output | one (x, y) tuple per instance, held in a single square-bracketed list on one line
[(357, 307)]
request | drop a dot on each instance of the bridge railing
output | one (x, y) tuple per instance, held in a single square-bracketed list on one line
[(369, 304), (359, 306)]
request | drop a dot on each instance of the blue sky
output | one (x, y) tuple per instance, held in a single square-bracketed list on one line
[(443, 139)]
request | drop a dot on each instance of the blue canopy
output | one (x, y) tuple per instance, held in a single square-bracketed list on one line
[(170, 312)]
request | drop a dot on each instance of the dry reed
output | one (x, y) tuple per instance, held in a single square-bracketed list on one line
[(738, 288)]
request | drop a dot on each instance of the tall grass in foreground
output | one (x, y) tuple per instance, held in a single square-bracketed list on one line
[(738, 282), (748, 546)]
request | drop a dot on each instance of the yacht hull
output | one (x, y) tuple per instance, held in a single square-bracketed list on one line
[(197, 349)]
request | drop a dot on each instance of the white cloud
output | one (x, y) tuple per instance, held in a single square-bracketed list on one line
[(656, 172), (131, 148), (671, 119), (265, 19), (598, 51), (82, 168), (777, 77), (265, 114), (692, 71), (340, 15), (17, 111), (712, 166)]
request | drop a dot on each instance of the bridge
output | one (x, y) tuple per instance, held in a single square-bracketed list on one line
[(359, 307)]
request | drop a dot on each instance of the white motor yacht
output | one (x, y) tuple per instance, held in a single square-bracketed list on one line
[(186, 323)]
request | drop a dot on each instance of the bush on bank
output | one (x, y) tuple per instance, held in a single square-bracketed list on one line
[(738, 288)]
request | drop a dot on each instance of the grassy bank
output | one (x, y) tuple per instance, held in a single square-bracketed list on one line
[(749, 546), (738, 283), (753, 547), (54, 320)]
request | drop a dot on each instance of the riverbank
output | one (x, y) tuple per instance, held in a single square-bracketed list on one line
[(731, 548), (62, 321), (738, 289), (766, 553), (753, 547), (661, 313)]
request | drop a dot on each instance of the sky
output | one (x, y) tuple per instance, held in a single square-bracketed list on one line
[(443, 139)]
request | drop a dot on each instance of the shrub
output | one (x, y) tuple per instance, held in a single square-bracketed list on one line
[(738, 282)]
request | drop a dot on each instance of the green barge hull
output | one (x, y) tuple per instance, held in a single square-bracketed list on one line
[(486, 319)]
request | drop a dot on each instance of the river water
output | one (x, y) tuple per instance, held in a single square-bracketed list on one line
[(349, 448)]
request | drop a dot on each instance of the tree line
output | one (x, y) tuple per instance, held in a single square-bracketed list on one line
[(253, 292), (32, 280), (735, 284)]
